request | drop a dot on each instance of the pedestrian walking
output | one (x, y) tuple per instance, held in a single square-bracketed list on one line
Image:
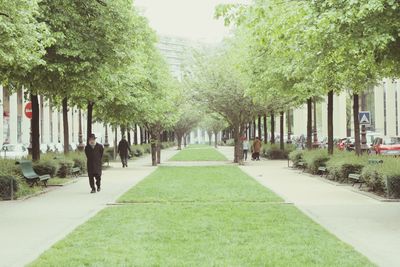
[(94, 154), (256, 149), (123, 151), (246, 147)]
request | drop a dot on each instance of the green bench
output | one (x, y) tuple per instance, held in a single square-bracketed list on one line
[(302, 165), (323, 170), (357, 178), (30, 175), (76, 171)]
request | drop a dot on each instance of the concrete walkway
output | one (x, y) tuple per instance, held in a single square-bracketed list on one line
[(370, 226), (29, 227)]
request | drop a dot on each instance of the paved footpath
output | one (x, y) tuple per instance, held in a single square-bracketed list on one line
[(29, 227), (372, 227)]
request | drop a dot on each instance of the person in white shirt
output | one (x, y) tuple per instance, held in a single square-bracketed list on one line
[(246, 147)]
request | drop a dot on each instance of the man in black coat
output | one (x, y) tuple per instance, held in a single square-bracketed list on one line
[(123, 149), (94, 155)]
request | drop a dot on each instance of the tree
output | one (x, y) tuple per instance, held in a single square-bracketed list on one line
[(220, 84), (214, 123)]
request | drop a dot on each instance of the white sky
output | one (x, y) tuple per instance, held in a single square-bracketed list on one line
[(191, 19)]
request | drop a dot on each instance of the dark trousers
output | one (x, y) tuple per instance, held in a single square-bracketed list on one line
[(245, 154), (124, 160), (91, 180)]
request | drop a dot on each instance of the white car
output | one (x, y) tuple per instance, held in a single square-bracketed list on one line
[(13, 151)]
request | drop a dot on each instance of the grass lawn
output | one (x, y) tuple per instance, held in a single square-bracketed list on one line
[(199, 153), (215, 230), (207, 184)]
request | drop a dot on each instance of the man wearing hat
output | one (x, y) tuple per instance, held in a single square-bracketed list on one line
[(94, 155), (123, 151)]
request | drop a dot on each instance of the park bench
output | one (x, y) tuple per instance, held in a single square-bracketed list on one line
[(76, 171), (302, 165), (357, 178), (30, 175), (323, 170)]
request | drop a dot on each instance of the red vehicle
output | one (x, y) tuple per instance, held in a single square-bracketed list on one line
[(387, 146)]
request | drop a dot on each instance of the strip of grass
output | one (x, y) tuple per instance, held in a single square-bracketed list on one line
[(216, 183), (201, 235), (199, 153)]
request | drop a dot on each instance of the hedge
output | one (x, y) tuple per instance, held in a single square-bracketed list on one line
[(382, 179), (273, 151)]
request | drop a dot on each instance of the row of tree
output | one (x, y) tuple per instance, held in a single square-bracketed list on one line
[(288, 53), (97, 55)]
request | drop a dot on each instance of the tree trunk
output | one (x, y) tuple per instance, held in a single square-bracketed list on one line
[(135, 135), (145, 136), (309, 123), (106, 144), (153, 153), (356, 109), (238, 152), (216, 139), (265, 130), (115, 142), (282, 132), (254, 129), (35, 128), (141, 134), (89, 120), (184, 140), (315, 132), (179, 137), (209, 138), (159, 149), (330, 123), (272, 128), (259, 126), (65, 125), (289, 126), (129, 136)]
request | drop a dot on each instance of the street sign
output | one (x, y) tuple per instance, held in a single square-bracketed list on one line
[(28, 110), (364, 118)]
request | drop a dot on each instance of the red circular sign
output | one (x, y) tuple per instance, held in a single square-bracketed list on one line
[(28, 110)]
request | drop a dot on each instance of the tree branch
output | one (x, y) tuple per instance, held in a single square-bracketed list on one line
[(4, 14), (101, 2)]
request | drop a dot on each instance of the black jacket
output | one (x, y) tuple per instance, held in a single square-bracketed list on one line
[(123, 148), (94, 159)]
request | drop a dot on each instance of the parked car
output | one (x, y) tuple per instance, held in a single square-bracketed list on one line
[(387, 146), (14, 151)]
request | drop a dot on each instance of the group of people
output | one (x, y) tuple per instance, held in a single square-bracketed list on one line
[(255, 148), (94, 154)]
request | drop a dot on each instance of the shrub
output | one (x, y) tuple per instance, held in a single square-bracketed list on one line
[(393, 186), (65, 166), (315, 159), (46, 166), (137, 150), (79, 159), (342, 163), (110, 152), (5, 186), (296, 156), (374, 178), (273, 151)]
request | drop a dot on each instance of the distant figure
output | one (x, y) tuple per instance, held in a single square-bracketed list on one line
[(256, 149), (246, 147), (94, 155), (123, 149)]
